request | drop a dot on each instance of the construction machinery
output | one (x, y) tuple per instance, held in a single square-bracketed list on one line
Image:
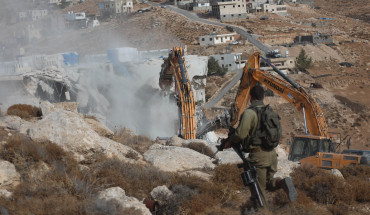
[(174, 71), (316, 146)]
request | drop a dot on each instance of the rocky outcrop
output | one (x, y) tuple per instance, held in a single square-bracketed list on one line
[(15, 123), (114, 201), (70, 131), (9, 177), (285, 166), (99, 128), (174, 159)]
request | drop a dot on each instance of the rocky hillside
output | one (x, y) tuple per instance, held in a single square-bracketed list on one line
[(61, 162)]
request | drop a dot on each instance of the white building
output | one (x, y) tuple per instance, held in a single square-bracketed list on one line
[(231, 61), (214, 39), (274, 8)]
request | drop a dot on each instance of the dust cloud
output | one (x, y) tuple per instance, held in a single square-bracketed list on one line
[(123, 101)]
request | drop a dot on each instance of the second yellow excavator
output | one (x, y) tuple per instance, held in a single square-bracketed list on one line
[(316, 146)]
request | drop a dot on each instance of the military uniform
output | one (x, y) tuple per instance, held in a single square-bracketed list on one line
[(265, 161)]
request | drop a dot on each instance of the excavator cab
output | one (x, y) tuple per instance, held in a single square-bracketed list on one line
[(308, 145)]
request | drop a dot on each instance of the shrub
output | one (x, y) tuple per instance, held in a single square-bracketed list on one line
[(24, 111), (201, 148), (322, 186), (138, 142)]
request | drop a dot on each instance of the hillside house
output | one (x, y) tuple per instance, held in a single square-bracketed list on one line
[(215, 39), (231, 61), (204, 5), (274, 8), (110, 8), (229, 9)]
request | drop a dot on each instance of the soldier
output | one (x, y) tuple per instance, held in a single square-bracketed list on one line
[(263, 158)]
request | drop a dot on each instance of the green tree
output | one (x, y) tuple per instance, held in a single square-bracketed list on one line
[(64, 4), (303, 61), (214, 68)]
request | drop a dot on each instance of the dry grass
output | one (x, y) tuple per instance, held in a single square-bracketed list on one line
[(62, 187), (138, 142), (201, 148), (335, 193), (91, 117), (24, 111)]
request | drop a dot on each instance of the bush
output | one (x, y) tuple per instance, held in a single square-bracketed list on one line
[(24, 111), (201, 148), (138, 142), (303, 61), (322, 186), (214, 68)]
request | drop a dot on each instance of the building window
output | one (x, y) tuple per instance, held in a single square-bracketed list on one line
[(222, 58), (224, 15), (231, 38), (224, 6), (233, 6), (232, 15), (210, 39), (202, 39), (240, 15), (230, 65), (238, 5)]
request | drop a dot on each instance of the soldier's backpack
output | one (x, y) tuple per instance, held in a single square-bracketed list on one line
[(268, 131)]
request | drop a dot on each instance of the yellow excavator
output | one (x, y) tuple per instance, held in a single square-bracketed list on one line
[(174, 71), (316, 146)]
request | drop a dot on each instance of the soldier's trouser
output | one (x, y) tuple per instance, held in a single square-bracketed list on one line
[(266, 167)]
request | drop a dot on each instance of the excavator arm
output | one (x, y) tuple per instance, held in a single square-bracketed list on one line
[(293, 93), (174, 70)]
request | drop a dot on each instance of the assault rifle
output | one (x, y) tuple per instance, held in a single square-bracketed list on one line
[(249, 175)]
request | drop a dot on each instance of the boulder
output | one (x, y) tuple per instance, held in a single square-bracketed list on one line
[(211, 137), (175, 141), (285, 166), (9, 177), (70, 131), (337, 173), (161, 194), (6, 194), (114, 201), (15, 123), (99, 128), (174, 159)]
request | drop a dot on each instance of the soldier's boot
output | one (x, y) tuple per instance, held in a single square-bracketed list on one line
[(287, 185)]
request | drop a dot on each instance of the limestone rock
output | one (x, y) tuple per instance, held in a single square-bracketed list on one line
[(99, 128), (198, 174), (15, 123), (175, 141), (174, 159), (114, 201), (9, 177), (285, 166), (47, 107), (161, 194), (6, 194), (337, 173), (70, 131), (211, 137)]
